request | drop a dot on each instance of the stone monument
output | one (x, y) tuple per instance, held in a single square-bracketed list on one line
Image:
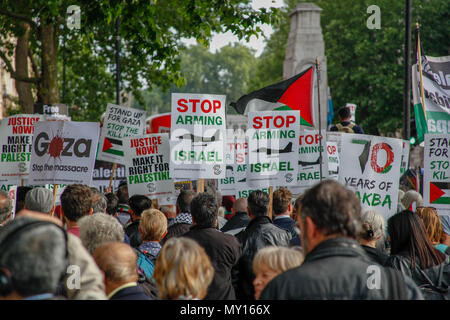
[(305, 43)]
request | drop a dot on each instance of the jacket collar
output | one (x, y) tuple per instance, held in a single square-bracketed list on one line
[(335, 247), (259, 220)]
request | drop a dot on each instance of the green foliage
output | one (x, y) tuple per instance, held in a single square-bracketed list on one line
[(365, 67), (150, 34), (228, 72)]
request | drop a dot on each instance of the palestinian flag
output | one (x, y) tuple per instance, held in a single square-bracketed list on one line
[(440, 193), (295, 93), (112, 146)]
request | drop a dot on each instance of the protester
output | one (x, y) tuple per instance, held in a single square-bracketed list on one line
[(433, 226), (170, 212), (335, 266), (445, 220), (227, 203), (137, 203), (183, 270), (83, 279), (223, 249), (345, 124), (39, 200), (220, 211), (259, 233), (240, 219), (118, 262), (99, 201), (282, 210), (153, 228), (99, 228), (373, 230), (112, 204), (5, 207), (412, 198), (270, 262), (183, 220), (39, 280), (20, 196), (124, 211), (76, 202), (413, 253)]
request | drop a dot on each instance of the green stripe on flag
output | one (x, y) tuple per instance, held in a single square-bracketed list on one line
[(303, 122), (421, 123), (114, 152), (442, 200)]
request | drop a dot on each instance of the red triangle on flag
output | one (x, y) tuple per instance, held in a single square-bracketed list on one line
[(106, 145), (298, 96), (435, 193)]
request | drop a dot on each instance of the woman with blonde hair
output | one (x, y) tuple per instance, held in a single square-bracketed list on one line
[(271, 261), (183, 270), (433, 226)]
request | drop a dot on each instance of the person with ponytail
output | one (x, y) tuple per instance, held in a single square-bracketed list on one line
[(373, 230)]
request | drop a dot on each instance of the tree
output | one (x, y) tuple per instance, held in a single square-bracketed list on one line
[(149, 31), (365, 66), (227, 71)]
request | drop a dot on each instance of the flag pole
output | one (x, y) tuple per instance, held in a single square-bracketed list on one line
[(320, 118), (419, 59)]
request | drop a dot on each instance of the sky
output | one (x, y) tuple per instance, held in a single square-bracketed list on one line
[(220, 40)]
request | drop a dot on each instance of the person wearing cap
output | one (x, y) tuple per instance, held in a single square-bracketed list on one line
[(39, 200)]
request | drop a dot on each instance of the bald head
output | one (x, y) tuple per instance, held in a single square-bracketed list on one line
[(118, 261), (240, 205)]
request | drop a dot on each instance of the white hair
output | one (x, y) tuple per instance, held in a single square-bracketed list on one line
[(372, 221), (99, 228)]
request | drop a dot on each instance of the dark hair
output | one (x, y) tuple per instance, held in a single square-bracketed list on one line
[(258, 203), (123, 197), (334, 209), (112, 203), (184, 200), (204, 210), (20, 197), (138, 203), (76, 201), (408, 237), (344, 112), (281, 200)]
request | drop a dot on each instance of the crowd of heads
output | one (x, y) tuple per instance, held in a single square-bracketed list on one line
[(182, 268)]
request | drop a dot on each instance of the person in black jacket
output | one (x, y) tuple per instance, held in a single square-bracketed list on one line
[(413, 253), (282, 210), (223, 249), (138, 203), (260, 233), (240, 218), (335, 265)]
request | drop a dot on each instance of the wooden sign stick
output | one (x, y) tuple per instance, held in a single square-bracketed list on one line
[(270, 201), (55, 190), (113, 173)]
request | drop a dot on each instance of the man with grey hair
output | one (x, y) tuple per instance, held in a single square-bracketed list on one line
[(98, 229), (31, 272), (118, 261), (39, 200), (99, 201), (5, 207)]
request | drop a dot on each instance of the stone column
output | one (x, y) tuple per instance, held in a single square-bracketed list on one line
[(305, 43)]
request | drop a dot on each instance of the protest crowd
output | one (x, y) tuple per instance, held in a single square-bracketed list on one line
[(318, 237)]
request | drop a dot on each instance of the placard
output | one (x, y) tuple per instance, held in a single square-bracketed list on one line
[(120, 122), (436, 176), (147, 161), (197, 136), (370, 165), (63, 152)]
